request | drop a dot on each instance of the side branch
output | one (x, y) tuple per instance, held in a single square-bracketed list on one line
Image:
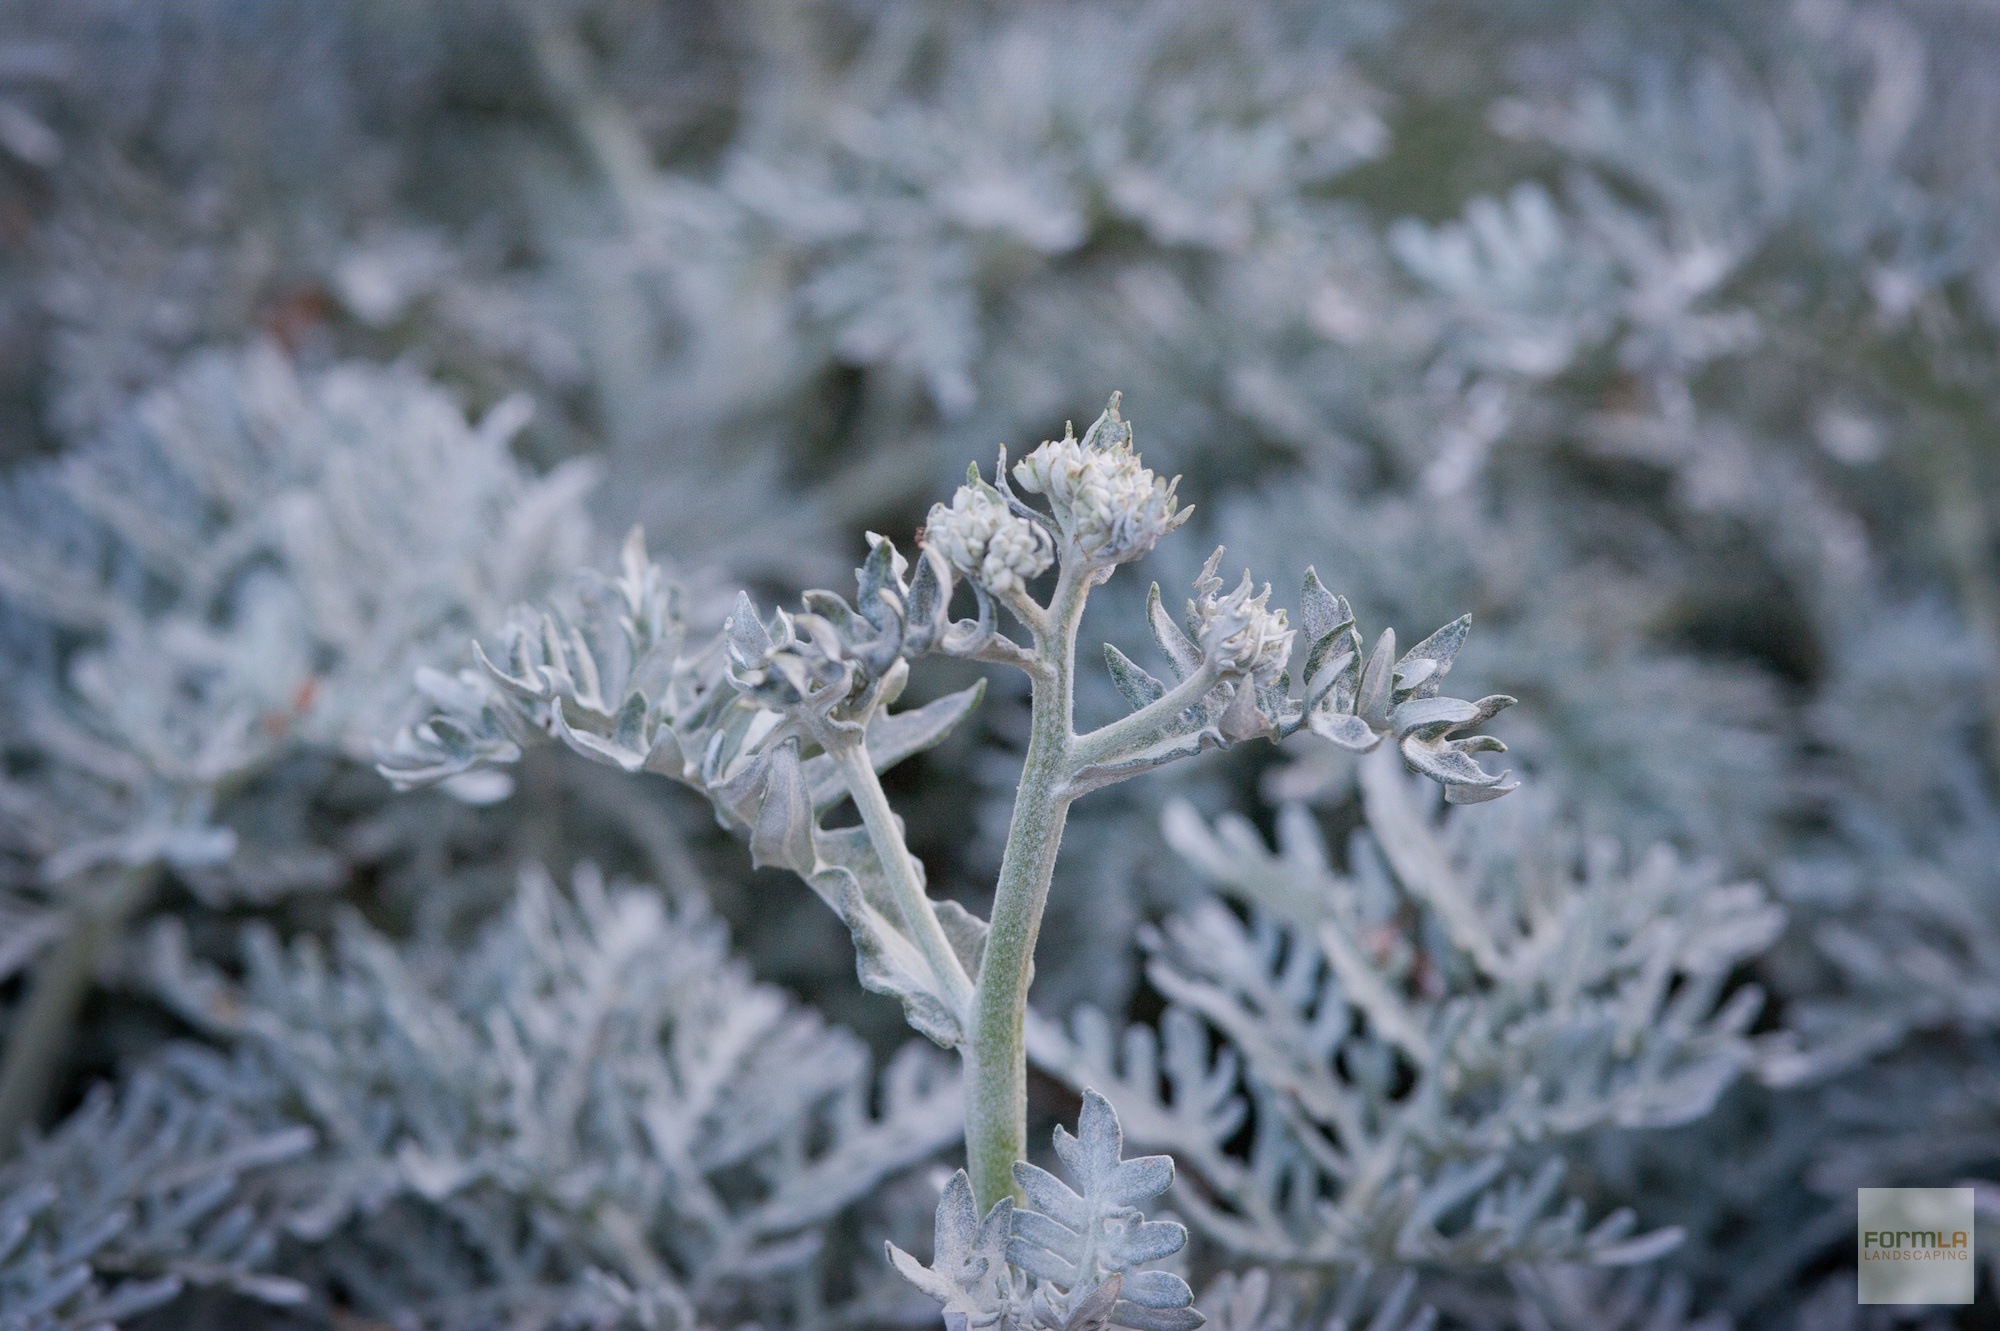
[(1002, 650), (1108, 743), (1033, 616), (857, 771)]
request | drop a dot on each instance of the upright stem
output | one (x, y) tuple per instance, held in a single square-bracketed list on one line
[(40, 1038), (996, 1059)]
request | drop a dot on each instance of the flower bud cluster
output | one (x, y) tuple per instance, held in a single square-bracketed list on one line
[(1239, 632), (1110, 506), (985, 541)]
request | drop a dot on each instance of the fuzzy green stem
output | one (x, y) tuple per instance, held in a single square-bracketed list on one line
[(857, 770), (996, 1059)]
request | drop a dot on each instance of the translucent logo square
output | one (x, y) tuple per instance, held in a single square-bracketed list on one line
[(1914, 1245)]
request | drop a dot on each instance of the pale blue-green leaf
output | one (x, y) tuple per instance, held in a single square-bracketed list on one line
[(1348, 731), (1441, 647), (1157, 1289), (781, 833), (1428, 718), (1321, 613), (1371, 704), (1134, 683), (745, 632), (598, 748), (1182, 654), (893, 737), (968, 1267), (1445, 765)]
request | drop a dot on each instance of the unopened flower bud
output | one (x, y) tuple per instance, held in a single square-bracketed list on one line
[(982, 539), (1240, 632), (1113, 508)]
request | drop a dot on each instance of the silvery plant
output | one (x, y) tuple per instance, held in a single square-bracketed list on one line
[(1422, 1046), (779, 720), (231, 576), (1659, 335), (593, 1115)]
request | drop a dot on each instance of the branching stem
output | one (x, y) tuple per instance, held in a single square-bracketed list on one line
[(996, 1062), (1002, 650)]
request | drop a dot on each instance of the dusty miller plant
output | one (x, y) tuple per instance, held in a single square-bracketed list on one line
[(235, 573), (593, 1115), (1415, 1042), (135, 1197), (1678, 369), (778, 721)]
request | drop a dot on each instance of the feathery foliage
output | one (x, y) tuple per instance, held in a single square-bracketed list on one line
[(1659, 337)]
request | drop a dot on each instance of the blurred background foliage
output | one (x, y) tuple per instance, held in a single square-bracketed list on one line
[(1659, 336)]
